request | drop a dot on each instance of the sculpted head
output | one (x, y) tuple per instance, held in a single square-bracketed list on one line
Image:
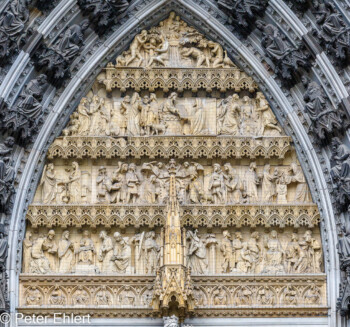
[(273, 234), (117, 236), (216, 167), (103, 235), (238, 235), (86, 233), (10, 141), (65, 235), (226, 234), (51, 234)]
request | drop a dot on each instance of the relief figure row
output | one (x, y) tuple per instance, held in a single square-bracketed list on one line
[(141, 253), (148, 115), (300, 255), (196, 184), (45, 255)]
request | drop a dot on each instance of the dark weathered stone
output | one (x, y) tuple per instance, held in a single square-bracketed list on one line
[(334, 33), (325, 120), (340, 173), (24, 118), (13, 33), (103, 13), (55, 61), (7, 176), (4, 303), (44, 5), (287, 59), (242, 14), (312, 44)]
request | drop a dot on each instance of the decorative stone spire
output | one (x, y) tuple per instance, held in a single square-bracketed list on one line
[(173, 286)]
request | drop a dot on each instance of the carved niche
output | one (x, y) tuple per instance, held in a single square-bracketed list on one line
[(173, 185)]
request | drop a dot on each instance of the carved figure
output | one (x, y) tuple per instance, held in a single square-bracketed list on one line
[(27, 250), (250, 255), (26, 115), (169, 108), (86, 251), (228, 116), (106, 253), (286, 58), (57, 297), (236, 250), (197, 253), (65, 254), (34, 296), (74, 182), (268, 125), (217, 185), (103, 297), (301, 192), (324, 118), (132, 182), (266, 296), (135, 48), (309, 261), (81, 296), (151, 253), (292, 254), (274, 255), (13, 34), (220, 296), (282, 181), (227, 252), (103, 185), (40, 263), (268, 186), (48, 184), (56, 60), (312, 295), (102, 14), (233, 185), (251, 182), (84, 117), (7, 175), (290, 296), (121, 254), (243, 296)]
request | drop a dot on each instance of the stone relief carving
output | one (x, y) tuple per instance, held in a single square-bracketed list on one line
[(172, 43), (56, 60), (334, 32), (102, 13), (230, 253), (148, 184), (13, 29), (340, 163), (325, 121), (152, 116), (24, 118), (242, 14), (287, 59), (7, 175)]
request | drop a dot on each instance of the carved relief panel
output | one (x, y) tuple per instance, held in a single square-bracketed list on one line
[(172, 172)]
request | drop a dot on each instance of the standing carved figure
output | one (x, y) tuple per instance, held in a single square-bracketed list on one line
[(136, 47), (251, 182), (48, 184), (125, 108), (227, 252), (134, 120), (310, 255), (104, 184), (197, 253), (169, 108), (27, 250), (84, 117), (132, 182), (106, 253), (268, 121), (292, 254), (268, 186), (74, 180), (217, 185), (151, 253), (301, 192), (233, 185), (65, 254)]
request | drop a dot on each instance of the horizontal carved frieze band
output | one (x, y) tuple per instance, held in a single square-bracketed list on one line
[(170, 146), (209, 215), (179, 79), (308, 293)]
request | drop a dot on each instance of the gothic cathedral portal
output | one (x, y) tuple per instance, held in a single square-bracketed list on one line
[(173, 193)]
